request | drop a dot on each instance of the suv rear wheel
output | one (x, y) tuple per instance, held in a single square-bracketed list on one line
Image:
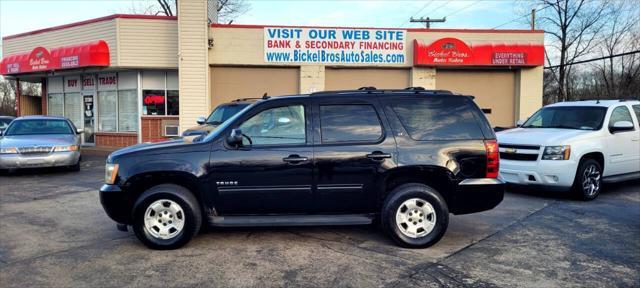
[(415, 215), (166, 216)]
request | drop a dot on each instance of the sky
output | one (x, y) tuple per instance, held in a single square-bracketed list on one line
[(17, 16)]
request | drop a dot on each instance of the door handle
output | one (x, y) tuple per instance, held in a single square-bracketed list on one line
[(377, 155), (294, 159)]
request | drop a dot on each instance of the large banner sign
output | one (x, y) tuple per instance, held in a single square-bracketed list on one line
[(334, 45), (455, 52)]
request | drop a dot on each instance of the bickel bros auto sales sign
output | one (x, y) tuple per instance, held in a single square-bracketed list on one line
[(334, 45)]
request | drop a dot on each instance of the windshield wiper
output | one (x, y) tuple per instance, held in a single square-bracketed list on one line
[(215, 122)]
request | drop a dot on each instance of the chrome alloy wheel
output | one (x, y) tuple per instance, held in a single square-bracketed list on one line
[(591, 180), (415, 218), (164, 219)]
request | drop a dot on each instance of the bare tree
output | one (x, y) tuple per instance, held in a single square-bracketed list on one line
[(228, 10), (7, 99), (574, 27), (622, 34)]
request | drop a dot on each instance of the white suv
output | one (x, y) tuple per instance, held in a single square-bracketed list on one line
[(574, 145)]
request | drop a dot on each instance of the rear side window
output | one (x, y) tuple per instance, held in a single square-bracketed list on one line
[(437, 118), (349, 123), (636, 109)]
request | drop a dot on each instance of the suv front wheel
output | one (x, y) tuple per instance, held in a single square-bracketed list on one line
[(588, 182), (415, 215), (166, 216)]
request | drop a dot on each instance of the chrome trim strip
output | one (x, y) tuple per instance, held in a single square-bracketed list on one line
[(481, 181)]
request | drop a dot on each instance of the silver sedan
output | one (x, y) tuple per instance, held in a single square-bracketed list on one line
[(40, 141)]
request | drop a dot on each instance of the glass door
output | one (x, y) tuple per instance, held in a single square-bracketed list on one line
[(89, 119)]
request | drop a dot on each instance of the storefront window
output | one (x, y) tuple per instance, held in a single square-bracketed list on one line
[(127, 111), (172, 102), (107, 111), (153, 102), (73, 108), (55, 106), (160, 93)]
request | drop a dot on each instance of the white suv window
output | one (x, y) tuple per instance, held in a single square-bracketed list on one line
[(636, 109), (620, 113)]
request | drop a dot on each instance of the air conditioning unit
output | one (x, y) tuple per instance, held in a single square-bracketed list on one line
[(171, 131)]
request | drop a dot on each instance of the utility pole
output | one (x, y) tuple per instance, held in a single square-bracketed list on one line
[(427, 21), (533, 19)]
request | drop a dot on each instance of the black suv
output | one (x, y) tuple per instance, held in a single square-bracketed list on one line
[(222, 113), (405, 158)]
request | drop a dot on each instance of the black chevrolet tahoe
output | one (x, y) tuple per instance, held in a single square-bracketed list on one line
[(402, 158)]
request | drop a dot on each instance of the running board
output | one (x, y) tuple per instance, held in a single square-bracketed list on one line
[(621, 177), (291, 220)]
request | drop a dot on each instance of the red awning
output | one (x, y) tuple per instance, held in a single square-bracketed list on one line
[(90, 54)]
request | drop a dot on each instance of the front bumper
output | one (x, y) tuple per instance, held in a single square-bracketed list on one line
[(476, 195), (53, 159), (551, 174), (116, 203)]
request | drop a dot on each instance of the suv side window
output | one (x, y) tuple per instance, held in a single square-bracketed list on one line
[(349, 123), (620, 113), (636, 109), (276, 126), (437, 118)]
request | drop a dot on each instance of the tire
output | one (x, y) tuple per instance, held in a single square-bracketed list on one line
[(178, 223), (75, 167), (398, 202), (588, 182)]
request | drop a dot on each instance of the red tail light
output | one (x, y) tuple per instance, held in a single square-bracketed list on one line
[(493, 158)]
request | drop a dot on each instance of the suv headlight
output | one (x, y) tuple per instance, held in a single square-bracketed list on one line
[(9, 150), (557, 152), (110, 173)]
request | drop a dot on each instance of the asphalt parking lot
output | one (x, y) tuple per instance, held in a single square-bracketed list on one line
[(53, 232)]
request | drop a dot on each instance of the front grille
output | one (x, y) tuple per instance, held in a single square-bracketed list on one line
[(514, 152), (526, 147), (35, 150), (518, 157)]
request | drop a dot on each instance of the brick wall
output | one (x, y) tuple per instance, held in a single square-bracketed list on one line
[(116, 139), (152, 128)]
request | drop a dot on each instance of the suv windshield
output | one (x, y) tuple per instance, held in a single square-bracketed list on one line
[(224, 112), (36, 127), (576, 117)]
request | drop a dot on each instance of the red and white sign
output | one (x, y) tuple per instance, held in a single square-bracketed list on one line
[(107, 81), (66, 57), (88, 82), (72, 84), (454, 52)]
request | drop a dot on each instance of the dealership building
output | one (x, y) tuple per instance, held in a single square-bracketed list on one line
[(128, 79)]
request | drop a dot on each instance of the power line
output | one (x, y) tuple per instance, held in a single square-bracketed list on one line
[(463, 8), (524, 16), (424, 6), (594, 59), (443, 4)]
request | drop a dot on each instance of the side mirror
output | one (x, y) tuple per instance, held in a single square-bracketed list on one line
[(235, 138), (1, 132), (79, 131), (621, 126), (201, 120), (520, 122)]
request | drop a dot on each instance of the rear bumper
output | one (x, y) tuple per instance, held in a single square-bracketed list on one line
[(53, 159), (116, 203), (476, 195)]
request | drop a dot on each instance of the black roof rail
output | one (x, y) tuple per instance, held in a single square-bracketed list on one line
[(245, 99), (370, 90)]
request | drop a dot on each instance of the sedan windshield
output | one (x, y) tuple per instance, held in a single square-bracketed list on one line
[(39, 126), (224, 112), (576, 117)]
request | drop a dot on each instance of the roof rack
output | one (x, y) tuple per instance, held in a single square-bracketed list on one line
[(245, 99), (371, 90)]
